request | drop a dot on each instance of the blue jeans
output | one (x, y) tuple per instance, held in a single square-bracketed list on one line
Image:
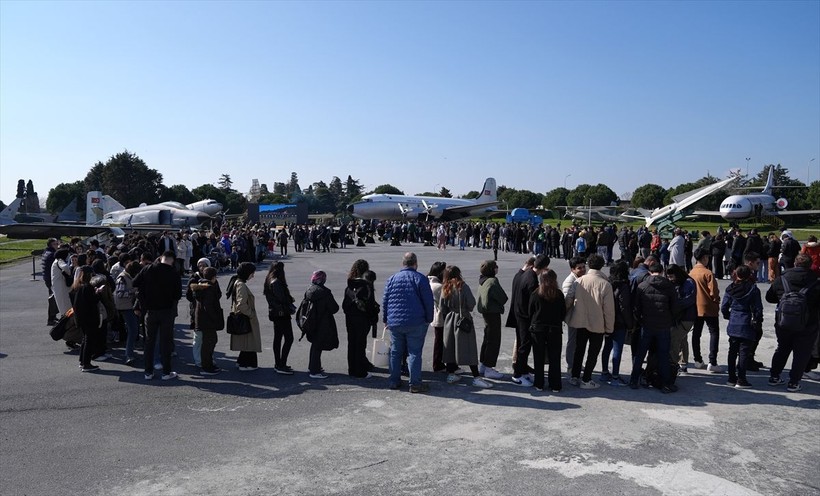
[(662, 339), (132, 327), (409, 339), (613, 343), (196, 348)]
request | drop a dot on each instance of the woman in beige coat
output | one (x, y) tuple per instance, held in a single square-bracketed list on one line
[(243, 301)]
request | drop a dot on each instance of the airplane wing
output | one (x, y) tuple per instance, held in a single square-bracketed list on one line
[(712, 213), (797, 212), (691, 197), (44, 230), (467, 208)]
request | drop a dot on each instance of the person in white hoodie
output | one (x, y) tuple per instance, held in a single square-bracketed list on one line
[(577, 268)]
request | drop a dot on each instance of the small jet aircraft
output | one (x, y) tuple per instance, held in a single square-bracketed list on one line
[(681, 206), (105, 214), (756, 205), (594, 214), (401, 207), (169, 213)]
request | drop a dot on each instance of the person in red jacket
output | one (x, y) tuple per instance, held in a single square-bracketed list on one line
[(812, 249)]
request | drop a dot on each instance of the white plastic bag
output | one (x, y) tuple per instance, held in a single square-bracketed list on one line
[(380, 356)]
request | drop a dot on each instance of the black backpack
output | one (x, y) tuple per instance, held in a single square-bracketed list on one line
[(792, 311), (306, 319)]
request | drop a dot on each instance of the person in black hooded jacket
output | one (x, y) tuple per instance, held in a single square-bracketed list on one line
[(325, 336), (280, 310), (361, 312)]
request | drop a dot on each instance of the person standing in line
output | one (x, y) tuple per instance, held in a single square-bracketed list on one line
[(208, 317), (435, 276), (325, 336), (361, 313), (742, 307), (708, 308), (624, 320), (460, 348), (196, 345), (516, 287), (522, 375), (684, 319), (280, 310), (655, 304), (592, 315), (491, 300), (547, 311), (160, 290), (799, 342), (87, 315), (47, 261), (125, 296), (408, 311), (243, 302), (577, 268), (774, 256)]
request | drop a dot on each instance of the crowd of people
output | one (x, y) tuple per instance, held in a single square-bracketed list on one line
[(654, 296)]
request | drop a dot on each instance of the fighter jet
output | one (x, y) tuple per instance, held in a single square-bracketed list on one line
[(173, 214), (400, 207)]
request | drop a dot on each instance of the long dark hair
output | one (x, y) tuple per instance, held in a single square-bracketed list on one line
[(437, 270), (276, 271), (548, 285), (358, 269), (619, 272)]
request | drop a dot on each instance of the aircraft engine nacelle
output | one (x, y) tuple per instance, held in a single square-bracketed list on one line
[(782, 203)]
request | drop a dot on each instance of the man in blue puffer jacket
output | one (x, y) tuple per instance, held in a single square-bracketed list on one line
[(408, 311)]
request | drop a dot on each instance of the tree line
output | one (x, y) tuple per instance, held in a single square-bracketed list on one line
[(126, 177)]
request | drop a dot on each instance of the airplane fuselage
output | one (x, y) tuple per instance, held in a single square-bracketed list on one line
[(750, 205), (398, 207)]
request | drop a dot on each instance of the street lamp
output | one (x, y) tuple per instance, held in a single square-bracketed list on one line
[(808, 172), (747, 165), (565, 179)]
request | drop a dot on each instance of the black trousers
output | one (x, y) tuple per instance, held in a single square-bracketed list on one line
[(315, 360), (738, 354), (714, 338), (801, 345), (750, 356), (282, 340), (595, 340), (90, 346), (522, 354), (547, 344), (159, 325), (357, 362), (209, 340), (247, 359), (491, 344), (438, 348), (53, 311)]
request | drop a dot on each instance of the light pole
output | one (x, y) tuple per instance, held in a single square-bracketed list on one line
[(808, 172), (565, 179), (747, 165)]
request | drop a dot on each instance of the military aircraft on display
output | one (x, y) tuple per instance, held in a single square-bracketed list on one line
[(401, 207), (756, 205), (682, 205), (105, 214), (594, 214)]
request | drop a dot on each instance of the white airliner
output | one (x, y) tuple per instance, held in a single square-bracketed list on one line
[(757, 205), (400, 207)]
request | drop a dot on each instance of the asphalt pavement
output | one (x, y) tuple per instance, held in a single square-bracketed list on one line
[(63, 432)]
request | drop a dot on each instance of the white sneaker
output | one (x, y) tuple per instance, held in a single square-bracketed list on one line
[(101, 358), (453, 378), (481, 383), (481, 368), (169, 376), (491, 373), (813, 376), (699, 365), (575, 381), (715, 369), (590, 385), (523, 381), (157, 366), (320, 375)]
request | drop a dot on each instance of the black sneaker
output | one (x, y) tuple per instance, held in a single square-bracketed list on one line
[(634, 385), (793, 388), (776, 381), (419, 388), (212, 371), (395, 386), (283, 370), (670, 388)]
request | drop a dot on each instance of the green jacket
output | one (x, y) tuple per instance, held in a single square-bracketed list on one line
[(491, 297)]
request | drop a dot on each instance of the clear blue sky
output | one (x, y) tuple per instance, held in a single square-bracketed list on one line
[(416, 94)]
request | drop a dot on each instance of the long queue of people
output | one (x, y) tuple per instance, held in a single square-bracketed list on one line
[(649, 307)]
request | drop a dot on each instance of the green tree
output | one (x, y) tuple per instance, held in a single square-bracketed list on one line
[(471, 195), (578, 196), (30, 188), (337, 191), (795, 192), (353, 190), (225, 182), (387, 189), (180, 193), (235, 202), (21, 189), (263, 189), (61, 195), (649, 196), (445, 193), (813, 195), (556, 197), (293, 185), (126, 178), (209, 191), (272, 199), (323, 200), (521, 198), (280, 189)]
